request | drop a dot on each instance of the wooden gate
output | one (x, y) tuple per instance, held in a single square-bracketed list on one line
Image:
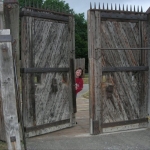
[(118, 64), (47, 55)]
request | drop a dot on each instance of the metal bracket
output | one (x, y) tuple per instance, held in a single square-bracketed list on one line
[(13, 139)]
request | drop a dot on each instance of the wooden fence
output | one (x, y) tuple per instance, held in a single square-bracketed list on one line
[(8, 50), (118, 46)]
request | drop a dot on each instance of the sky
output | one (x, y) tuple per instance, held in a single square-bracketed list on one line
[(80, 6)]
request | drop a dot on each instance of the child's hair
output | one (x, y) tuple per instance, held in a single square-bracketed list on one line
[(81, 72)]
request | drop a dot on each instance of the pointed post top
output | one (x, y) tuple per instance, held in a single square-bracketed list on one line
[(127, 8), (107, 7), (90, 5), (134, 9), (141, 9), (94, 5), (99, 6), (130, 8), (138, 9), (119, 8), (111, 6), (115, 7), (103, 6), (123, 7)]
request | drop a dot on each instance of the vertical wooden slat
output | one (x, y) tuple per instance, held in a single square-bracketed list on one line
[(148, 38), (71, 50), (95, 68), (2, 128), (8, 94), (11, 12)]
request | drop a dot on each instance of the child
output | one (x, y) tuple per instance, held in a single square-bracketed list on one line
[(79, 80)]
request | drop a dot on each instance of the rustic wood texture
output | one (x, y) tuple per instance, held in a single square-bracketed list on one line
[(122, 96), (11, 18), (124, 93), (148, 40), (2, 127), (95, 73), (8, 94), (47, 96)]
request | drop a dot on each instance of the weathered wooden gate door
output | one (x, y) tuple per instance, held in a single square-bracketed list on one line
[(118, 69), (47, 54)]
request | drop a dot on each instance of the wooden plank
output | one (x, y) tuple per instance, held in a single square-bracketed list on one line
[(45, 15), (8, 95), (95, 73), (73, 85), (113, 124), (123, 16), (43, 70), (148, 38), (125, 69), (1, 7), (71, 46), (48, 125), (11, 11), (2, 126)]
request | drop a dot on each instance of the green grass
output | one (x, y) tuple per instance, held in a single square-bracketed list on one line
[(85, 80), (86, 95), (3, 145)]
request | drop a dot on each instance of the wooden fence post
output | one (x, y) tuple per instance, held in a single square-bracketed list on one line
[(8, 92), (148, 37), (95, 71), (2, 128), (11, 16)]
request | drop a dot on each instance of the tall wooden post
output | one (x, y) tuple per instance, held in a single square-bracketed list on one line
[(11, 16), (2, 128), (71, 40), (95, 70), (148, 37), (8, 92)]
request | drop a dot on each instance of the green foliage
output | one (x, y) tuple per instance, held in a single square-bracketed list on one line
[(60, 5), (31, 3), (81, 44)]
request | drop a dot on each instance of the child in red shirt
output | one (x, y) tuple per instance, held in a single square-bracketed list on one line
[(79, 80)]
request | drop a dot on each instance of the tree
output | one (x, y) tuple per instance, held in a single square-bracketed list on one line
[(81, 44), (31, 3), (58, 4)]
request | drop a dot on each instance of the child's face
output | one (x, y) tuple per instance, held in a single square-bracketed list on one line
[(78, 72)]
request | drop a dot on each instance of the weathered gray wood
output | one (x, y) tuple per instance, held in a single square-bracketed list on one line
[(124, 94), (71, 45), (121, 58), (47, 15), (11, 17), (47, 44), (125, 69), (8, 95), (95, 73), (2, 128), (148, 38)]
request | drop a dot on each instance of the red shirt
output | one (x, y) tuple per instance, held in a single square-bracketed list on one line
[(79, 84)]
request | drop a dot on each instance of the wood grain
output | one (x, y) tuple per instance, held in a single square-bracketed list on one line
[(46, 45)]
